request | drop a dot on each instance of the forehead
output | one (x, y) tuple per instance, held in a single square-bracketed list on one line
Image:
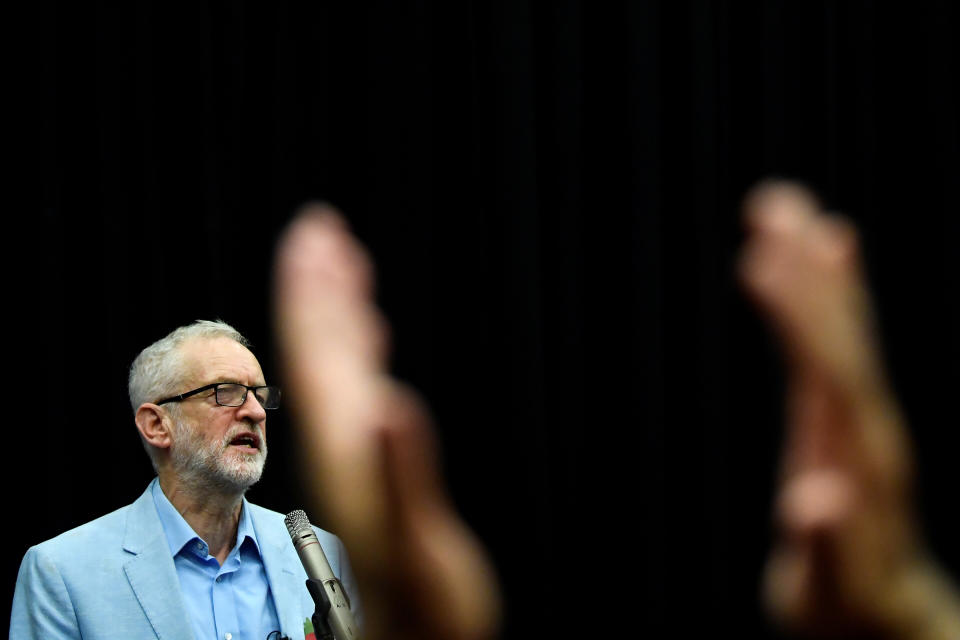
[(220, 360)]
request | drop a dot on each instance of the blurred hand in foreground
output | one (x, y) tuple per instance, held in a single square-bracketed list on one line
[(850, 561), (369, 446)]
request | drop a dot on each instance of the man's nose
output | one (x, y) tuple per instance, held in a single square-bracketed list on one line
[(252, 408)]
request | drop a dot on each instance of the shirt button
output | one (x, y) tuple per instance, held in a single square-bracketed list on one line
[(227, 636)]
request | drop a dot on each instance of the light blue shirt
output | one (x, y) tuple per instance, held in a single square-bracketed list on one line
[(229, 602)]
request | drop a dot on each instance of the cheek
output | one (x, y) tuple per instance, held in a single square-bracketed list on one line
[(218, 434)]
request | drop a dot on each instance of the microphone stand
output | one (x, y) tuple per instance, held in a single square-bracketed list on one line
[(321, 627)]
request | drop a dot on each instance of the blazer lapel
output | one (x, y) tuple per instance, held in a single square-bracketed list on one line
[(284, 572), (151, 572)]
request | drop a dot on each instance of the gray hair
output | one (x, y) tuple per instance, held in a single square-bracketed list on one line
[(159, 368)]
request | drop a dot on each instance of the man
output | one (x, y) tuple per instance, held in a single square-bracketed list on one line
[(191, 557)]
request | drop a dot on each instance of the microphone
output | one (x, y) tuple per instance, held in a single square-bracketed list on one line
[(333, 604)]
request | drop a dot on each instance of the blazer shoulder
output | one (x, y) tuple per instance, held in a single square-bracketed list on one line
[(104, 534), (273, 525), (99, 532)]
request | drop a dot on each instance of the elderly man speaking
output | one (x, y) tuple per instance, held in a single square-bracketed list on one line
[(191, 557)]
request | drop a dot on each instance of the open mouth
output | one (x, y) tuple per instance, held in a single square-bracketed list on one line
[(247, 442)]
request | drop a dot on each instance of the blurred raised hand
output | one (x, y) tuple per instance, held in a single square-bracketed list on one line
[(850, 560), (369, 445)]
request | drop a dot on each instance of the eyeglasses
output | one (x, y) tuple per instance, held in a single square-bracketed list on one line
[(232, 394)]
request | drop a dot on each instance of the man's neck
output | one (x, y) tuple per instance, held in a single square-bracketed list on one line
[(213, 516)]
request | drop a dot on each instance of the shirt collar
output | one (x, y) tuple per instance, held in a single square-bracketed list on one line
[(179, 533)]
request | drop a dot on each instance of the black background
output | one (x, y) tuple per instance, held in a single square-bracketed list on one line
[(550, 191)]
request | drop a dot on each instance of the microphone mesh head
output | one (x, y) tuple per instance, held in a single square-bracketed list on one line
[(296, 521)]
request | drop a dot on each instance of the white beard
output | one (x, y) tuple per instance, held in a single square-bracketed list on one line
[(213, 465)]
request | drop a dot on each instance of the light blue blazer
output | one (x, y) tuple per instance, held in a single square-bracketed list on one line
[(114, 578)]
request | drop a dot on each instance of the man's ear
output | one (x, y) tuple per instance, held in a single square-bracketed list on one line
[(154, 424)]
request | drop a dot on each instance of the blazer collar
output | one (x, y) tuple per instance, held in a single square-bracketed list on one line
[(284, 570), (150, 570)]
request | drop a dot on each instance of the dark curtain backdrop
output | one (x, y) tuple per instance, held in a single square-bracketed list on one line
[(550, 191)]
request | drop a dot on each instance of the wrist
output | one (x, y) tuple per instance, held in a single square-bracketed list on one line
[(926, 606)]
